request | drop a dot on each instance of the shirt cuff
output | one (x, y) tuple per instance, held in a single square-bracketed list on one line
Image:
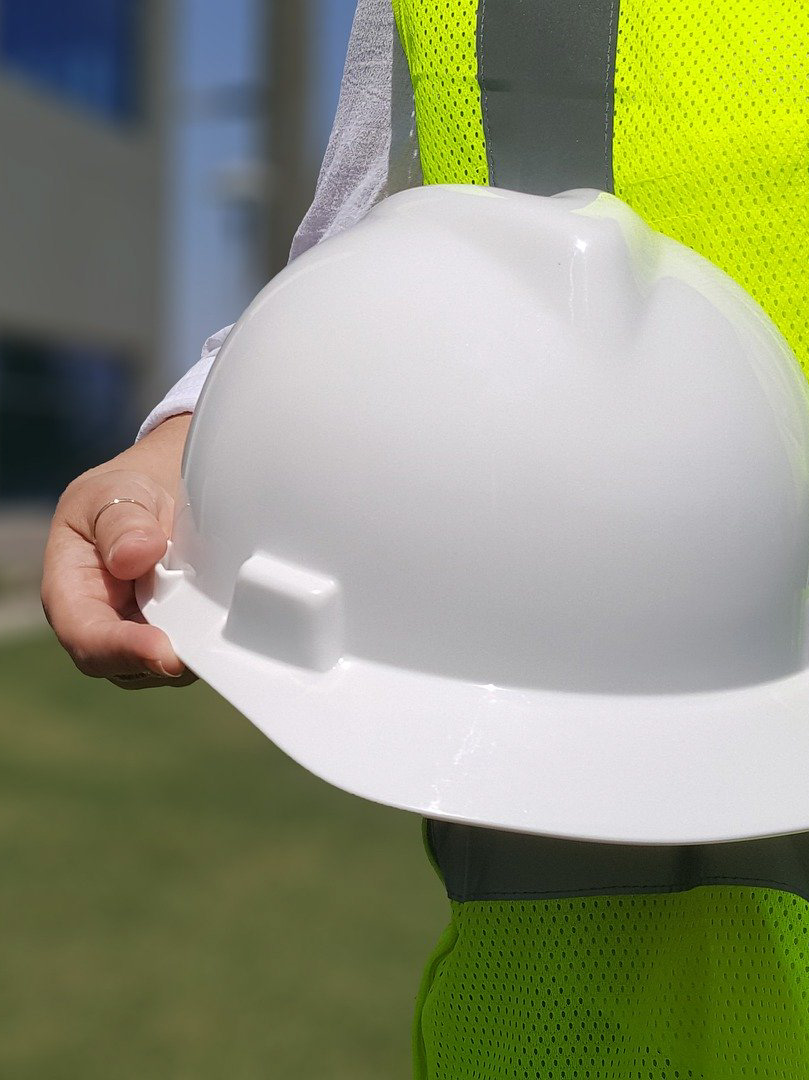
[(182, 397)]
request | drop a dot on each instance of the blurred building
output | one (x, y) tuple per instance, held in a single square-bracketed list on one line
[(140, 210), (257, 87), (82, 129)]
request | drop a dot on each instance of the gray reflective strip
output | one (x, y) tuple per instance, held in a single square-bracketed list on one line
[(404, 164), (546, 70), (484, 864)]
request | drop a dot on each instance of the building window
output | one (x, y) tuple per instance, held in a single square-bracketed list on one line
[(63, 409), (86, 51)]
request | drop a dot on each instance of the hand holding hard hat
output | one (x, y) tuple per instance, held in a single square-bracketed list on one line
[(496, 508), (110, 527)]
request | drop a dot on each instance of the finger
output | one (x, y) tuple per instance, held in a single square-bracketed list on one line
[(107, 648), (87, 588), (96, 616), (103, 643), (130, 536), (146, 681)]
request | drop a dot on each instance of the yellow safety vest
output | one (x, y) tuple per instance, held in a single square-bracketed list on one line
[(567, 961)]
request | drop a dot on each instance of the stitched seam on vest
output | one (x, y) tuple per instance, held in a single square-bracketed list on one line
[(428, 840), (484, 97), (714, 879), (608, 101)]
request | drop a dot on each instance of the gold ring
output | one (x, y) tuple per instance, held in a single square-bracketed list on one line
[(115, 502)]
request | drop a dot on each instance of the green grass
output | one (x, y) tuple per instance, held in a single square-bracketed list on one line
[(179, 900)]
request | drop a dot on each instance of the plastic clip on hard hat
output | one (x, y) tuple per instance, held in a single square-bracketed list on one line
[(497, 509)]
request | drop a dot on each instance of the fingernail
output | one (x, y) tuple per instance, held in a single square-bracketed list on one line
[(158, 669), (136, 535)]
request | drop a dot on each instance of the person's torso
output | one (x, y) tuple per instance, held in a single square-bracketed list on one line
[(574, 960)]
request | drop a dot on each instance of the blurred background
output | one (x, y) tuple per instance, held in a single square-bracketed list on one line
[(176, 898)]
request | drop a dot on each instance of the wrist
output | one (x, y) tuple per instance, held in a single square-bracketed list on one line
[(157, 455)]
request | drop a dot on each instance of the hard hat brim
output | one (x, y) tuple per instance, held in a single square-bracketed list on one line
[(678, 768)]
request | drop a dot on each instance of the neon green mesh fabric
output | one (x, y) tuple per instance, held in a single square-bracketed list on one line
[(711, 139), (440, 41), (712, 983), (711, 147)]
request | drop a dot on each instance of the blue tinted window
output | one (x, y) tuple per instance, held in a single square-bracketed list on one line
[(63, 409), (82, 50)]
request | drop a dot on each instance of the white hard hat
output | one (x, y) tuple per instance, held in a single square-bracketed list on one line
[(497, 509)]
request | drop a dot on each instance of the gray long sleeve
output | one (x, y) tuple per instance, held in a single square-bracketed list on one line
[(372, 152)]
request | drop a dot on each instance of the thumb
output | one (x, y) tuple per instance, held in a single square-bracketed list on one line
[(129, 522)]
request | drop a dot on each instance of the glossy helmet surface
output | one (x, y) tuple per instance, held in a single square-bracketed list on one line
[(496, 509)]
